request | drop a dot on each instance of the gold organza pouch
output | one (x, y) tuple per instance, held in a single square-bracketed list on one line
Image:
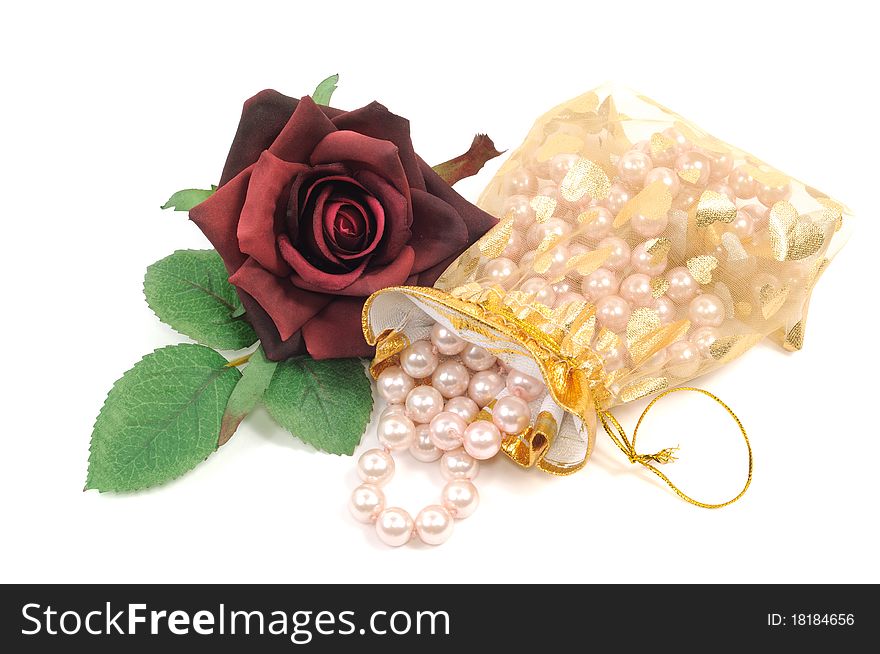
[(634, 253)]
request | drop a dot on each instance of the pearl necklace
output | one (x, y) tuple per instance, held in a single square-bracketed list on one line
[(438, 410)]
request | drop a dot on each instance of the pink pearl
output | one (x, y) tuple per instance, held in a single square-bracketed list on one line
[(665, 309), (564, 286), (759, 214), (461, 499), (451, 379), (539, 231), (423, 403), (500, 271), (541, 289), (396, 432), (419, 360), (706, 310), (511, 415), (636, 289), (515, 245), (642, 146), (484, 386), (482, 440), (665, 175), (612, 312), (464, 407), (648, 227), (654, 362), (375, 467), (575, 249), (722, 164), (567, 298), (477, 358), (687, 197), (446, 341), (520, 208), (703, 339), (633, 166), (723, 189), (620, 252), (680, 142), (560, 165), (600, 223), (434, 525), (520, 182), (394, 526), (614, 358), (684, 359), (693, 163), (550, 190), (618, 196), (641, 261), (446, 430), (559, 257), (743, 225), (423, 448), (599, 283), (742, 183), (458, 464), (367, 502), (524, 386), (682, 286), (394, 385), (390, 409), (770, 195)]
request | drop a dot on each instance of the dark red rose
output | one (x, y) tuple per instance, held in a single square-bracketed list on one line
[(318, 208)]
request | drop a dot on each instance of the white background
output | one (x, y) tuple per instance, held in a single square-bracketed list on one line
[(107, 109)]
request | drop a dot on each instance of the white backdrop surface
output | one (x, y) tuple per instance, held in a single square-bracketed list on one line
[(107, 109)]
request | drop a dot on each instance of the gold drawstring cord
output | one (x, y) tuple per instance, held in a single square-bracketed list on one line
[(628, 446)]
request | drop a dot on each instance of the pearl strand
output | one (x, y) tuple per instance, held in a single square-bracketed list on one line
[(434, 396)]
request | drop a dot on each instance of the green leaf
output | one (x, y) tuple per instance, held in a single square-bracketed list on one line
[(324, 403), (250, 388), (324, 90), (160, 419), (190, 291), (188, 198)]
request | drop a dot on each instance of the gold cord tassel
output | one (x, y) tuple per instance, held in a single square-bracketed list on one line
[(628, 446)]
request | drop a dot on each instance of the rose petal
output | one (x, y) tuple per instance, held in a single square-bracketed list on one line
[(375, 120), (273, 346), (261, 221), (397, 215), (299, 191), (307, 127), (311, 229), (438, 232), (432, 274), (218, 217), (478, 222), (306, 274), (336, 332), (347, 226), (371, 279), (262, 118), (363, 151), (288, 306)]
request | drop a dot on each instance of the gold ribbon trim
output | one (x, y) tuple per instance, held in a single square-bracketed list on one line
[(575, 380), (666, 455)]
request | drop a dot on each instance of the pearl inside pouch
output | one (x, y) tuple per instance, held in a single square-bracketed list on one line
[(634, 252)]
